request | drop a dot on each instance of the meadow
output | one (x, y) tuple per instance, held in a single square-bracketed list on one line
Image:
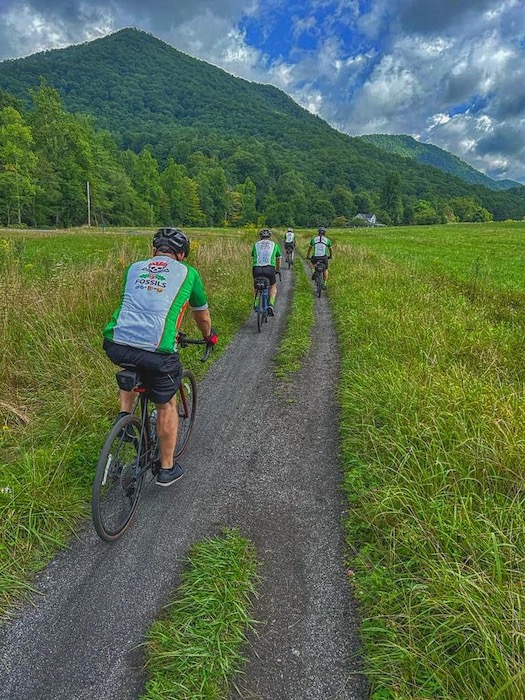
[(431, 325), (57, 291)]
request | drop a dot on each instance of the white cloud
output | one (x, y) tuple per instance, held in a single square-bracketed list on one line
[(401, 66)]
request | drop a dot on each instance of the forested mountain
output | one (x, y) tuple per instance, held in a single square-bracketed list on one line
[(427, 153), (190, 144)]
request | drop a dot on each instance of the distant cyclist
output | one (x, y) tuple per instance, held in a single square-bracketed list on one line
[(322, 251), (266, 261), (289, 242), (143, 332)]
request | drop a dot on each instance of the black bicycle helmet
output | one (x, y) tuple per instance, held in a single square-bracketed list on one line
[(173, 239), (265, 233)]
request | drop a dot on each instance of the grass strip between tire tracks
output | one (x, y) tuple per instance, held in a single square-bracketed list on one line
[(195, 649), (297, 337)]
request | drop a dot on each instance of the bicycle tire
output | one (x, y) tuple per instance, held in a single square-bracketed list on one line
[(260, 311), (119, 478), (186, 420), (319, 282)]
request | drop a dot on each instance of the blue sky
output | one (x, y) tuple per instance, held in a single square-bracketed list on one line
[(448, 72)]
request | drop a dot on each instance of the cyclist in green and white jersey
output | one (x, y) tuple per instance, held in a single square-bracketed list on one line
[(289, 242), (143, 332), (266, 261), (322, 250)]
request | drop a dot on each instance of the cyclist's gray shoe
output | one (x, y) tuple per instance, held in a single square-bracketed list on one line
[(167, 477), (271, 310), (323, 286)]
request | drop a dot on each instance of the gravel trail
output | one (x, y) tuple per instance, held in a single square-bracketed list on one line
[(263, 460)]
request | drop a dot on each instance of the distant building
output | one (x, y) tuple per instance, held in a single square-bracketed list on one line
[(369, 219)]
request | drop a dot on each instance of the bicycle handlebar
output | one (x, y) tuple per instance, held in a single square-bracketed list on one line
[(183, 341)]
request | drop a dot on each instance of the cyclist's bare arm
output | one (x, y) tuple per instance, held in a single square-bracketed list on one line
[(203, 321), (309, 251)]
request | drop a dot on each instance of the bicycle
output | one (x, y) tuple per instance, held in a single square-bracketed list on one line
[(131, 449), (288, 258), (318, 276), (261, 285)]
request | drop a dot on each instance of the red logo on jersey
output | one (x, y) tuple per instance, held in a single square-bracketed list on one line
[(158, 266)]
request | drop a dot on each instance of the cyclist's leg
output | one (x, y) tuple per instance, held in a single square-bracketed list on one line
[(325, 273), (313, 260), (272, 292), (163, 380), (256, 272), (167, 430)]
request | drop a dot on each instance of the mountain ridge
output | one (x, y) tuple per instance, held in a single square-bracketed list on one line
[(148, 93), (430, 154)]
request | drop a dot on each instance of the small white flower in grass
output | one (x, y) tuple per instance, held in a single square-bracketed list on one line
[(5, 490)]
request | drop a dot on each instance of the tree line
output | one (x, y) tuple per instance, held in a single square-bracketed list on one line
[(186, 177)]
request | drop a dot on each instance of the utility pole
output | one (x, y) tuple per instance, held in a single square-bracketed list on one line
[(88, 204)]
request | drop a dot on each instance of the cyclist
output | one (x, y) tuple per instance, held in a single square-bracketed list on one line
[(266, 261), (322, 247), (289, 242), (143, 332)]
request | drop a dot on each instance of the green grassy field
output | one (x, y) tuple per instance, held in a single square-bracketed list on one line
[(431, 323), (433, 430), (57, 291), (491, 254)]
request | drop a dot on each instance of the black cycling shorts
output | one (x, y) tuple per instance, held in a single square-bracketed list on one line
[(266, 271), (318, 258), (160, 372), (289, 246)]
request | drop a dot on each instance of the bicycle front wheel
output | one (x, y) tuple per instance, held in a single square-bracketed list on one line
[(119, 478), (187, 407)]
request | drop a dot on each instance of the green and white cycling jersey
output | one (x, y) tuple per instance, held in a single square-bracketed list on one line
[(289, 237), (156, 294), (321, 246), (265, 252)]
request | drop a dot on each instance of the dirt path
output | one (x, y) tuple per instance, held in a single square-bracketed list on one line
[(258, 462)]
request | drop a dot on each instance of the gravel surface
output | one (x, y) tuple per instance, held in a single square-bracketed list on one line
[(261, 459)]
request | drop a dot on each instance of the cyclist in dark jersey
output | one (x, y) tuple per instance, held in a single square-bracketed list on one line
[(143, 332)]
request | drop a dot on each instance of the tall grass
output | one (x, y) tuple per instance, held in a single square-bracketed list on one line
[(59, 393), (297, 338), (433, 429)]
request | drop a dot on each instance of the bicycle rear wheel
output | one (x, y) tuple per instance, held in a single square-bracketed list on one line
[(319, 282), (260, 312), (119, 478), (187, 407)]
